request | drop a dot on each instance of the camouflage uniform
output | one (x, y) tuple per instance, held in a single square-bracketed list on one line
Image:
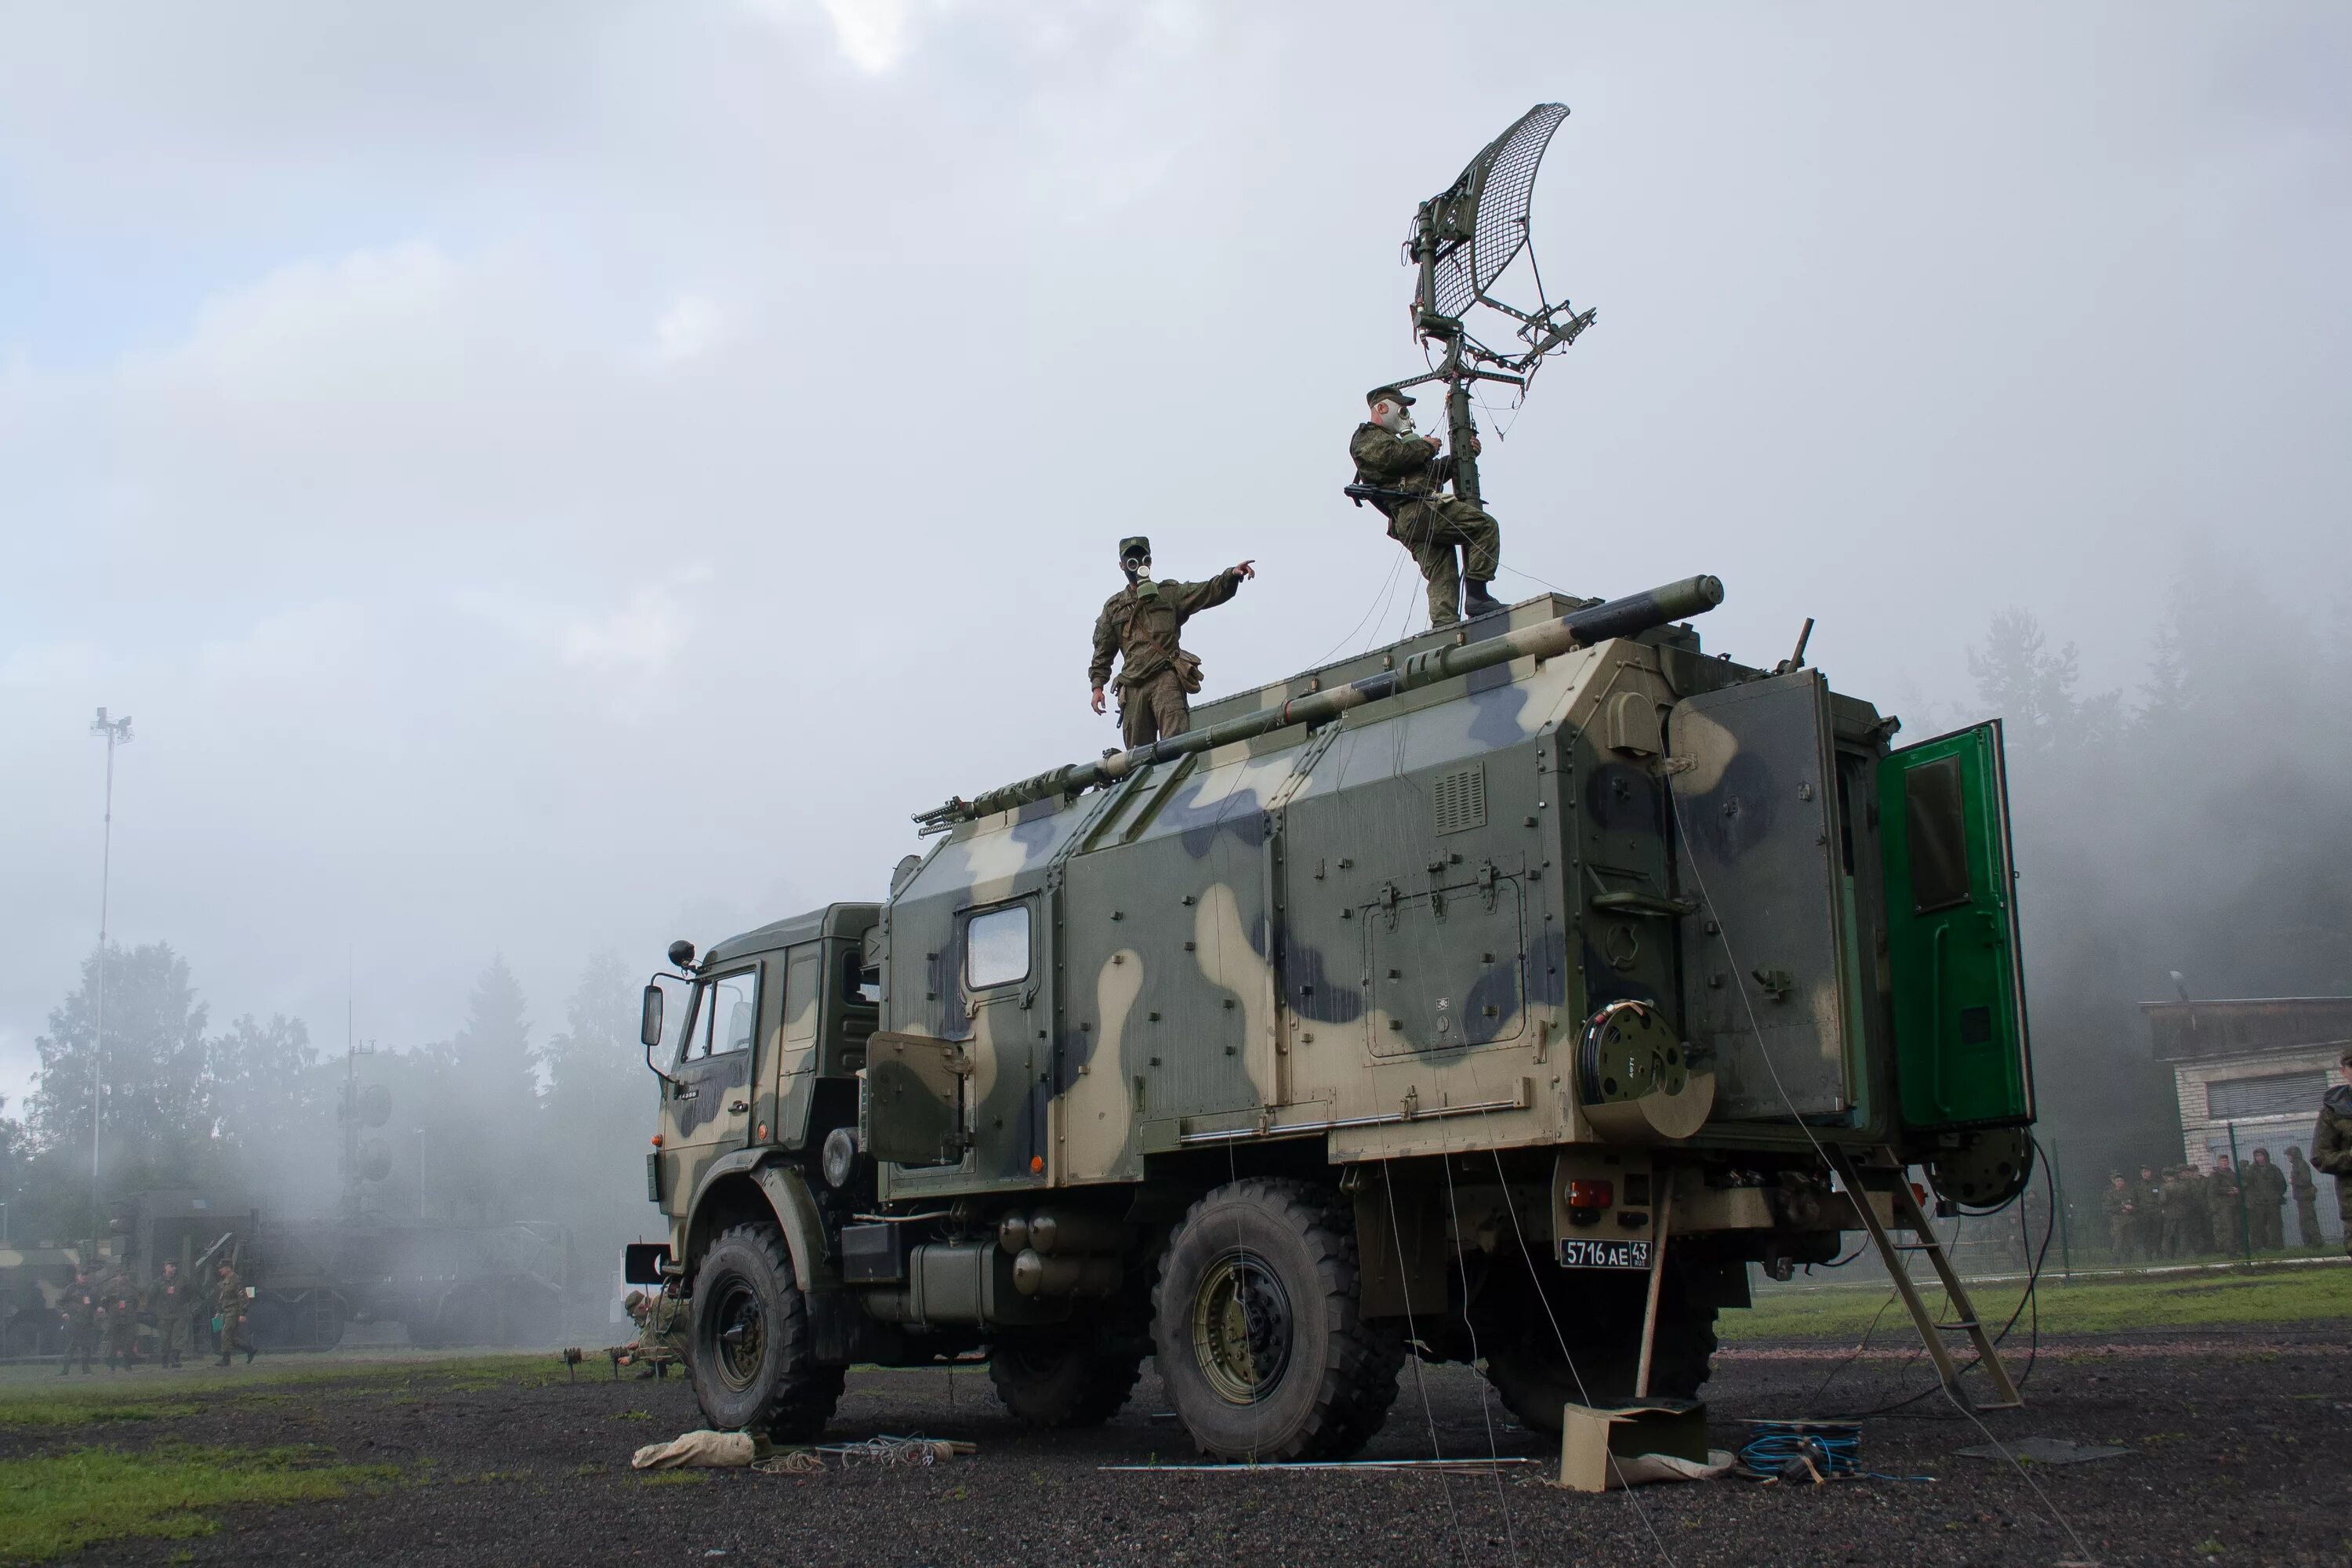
[(169, 1298), (2266, 1186), (82, 1315), (2331, 1148), (662, 1325), (2173, 1214), (1433, 528), (2148, 1216), (229, 1306), (120, 1299), (1139, 624), (2199, 1223), (2120, 1203), (2222, 1202), (2306, 1195)]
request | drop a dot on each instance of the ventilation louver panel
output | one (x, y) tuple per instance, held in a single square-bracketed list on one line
[(1458, 799)]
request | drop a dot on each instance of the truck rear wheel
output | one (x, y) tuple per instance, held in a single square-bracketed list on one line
[(1260, 1332), (753, 1362), (1065, 1379), (1532, 1375)]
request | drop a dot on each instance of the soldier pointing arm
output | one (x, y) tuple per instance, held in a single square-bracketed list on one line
[(1389, 453), (1139, 624)]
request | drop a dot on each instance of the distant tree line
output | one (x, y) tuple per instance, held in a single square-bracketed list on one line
[(2201, 823), (484, 1126)]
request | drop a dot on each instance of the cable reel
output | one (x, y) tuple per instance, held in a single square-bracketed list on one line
[(1633, 1076)]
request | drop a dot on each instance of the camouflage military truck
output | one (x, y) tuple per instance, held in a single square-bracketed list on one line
[(1500, 995)]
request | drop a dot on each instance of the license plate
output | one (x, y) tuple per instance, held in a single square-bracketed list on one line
[(1592, 1252)]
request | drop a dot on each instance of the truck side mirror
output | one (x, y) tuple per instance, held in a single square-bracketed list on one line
[(649, 1024)]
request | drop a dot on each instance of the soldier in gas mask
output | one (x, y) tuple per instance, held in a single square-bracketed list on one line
[(1139, 624), (1394, 456)]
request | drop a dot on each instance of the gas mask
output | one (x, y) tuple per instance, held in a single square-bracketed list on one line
[(1393, 418), (1139, 571)]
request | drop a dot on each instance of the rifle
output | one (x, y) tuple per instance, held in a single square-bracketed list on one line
[(620, 1355)]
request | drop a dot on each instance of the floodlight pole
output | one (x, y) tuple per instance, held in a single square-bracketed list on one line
[(117, 733)]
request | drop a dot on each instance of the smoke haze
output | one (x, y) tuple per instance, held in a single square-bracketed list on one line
[(545, 490)]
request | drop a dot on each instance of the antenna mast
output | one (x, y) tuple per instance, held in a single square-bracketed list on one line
[(1464, 239)]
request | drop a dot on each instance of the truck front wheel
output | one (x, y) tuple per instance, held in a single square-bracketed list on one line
[(753, 1364), (1259, 1328)]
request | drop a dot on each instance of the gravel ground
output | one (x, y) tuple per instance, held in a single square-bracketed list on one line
[(2238, 1448)]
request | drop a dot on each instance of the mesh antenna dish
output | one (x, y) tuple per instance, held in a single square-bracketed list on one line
[(1464, 239), (1467, 236), (1480, 222)]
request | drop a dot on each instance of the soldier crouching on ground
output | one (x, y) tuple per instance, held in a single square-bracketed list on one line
[(1390, 453), (2331, 1140), (1139, 624), (661, 1331)]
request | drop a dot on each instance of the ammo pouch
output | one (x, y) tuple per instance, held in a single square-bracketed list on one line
[(1188, 671)]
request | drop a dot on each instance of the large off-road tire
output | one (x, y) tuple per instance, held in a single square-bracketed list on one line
[(1259, 1328), (752, 1353), (1603, 1328), (1074, 1377)]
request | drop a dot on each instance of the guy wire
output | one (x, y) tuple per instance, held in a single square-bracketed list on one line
[(1420, 1383), (1379, 598), (1723, 934), (1485, 1389), (1582, 1394)]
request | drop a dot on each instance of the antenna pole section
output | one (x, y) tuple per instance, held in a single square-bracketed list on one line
[(1460, 429), (1432, 325), (117, 733)]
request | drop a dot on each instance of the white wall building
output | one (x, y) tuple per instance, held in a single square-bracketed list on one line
[(2256, 1068)]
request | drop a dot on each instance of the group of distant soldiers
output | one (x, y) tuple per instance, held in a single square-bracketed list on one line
[(2186, 1213), (106, 1311)]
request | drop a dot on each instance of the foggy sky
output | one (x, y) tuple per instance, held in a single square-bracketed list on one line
[(569, 474)]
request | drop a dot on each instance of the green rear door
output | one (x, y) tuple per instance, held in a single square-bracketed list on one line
[(1960, 1050)]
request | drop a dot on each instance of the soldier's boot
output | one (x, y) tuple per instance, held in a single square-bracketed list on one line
[(1477, 600), (645, 1371), (249, 1353)]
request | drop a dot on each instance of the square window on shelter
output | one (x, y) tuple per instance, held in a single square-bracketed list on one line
[(996, 947)]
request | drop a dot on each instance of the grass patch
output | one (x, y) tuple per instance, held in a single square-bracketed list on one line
[(155, 1394), (61, 1502), (88, 1406), (2087, 1307), (675, 1479)]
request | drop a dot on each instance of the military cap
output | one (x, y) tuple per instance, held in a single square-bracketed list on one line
[(1130, 548), (633, 1301), (2345, 1060), (1388, 394)]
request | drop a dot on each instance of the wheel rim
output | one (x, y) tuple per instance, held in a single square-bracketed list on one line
[(742, 1335), (1241, 1327)]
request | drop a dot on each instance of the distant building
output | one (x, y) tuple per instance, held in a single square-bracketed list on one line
[(2256, 1067)]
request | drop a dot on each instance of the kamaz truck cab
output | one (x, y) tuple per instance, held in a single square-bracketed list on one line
[(1505, 994)]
